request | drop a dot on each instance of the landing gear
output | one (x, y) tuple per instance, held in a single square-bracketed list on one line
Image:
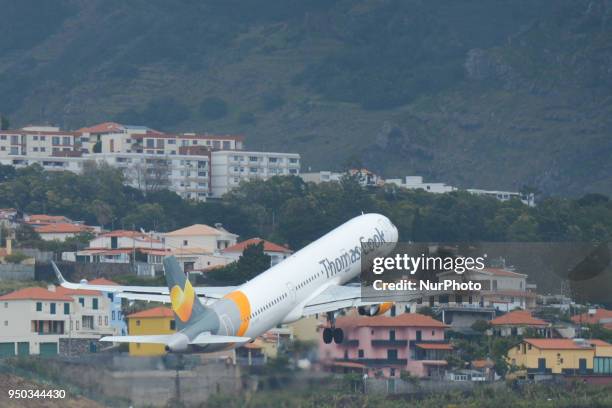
[(338, 336), (328, 335), (335, 334), (332, 332)]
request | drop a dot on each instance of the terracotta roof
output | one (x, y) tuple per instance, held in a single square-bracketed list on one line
[(160, 311), (102, 128), (102, 281), (77, 292), (35, 293), (435, 346), (483, 363), (518, 318), (598, 343), (62, 228), (47, 219), (559, 344), (586, 318), (268, 246), (194, 230), (503, 272), (402, 320)]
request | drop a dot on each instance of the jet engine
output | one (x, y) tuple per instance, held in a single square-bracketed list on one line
[(375, 310)]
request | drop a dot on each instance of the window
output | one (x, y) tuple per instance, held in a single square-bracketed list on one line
[(99, 320), (172, 324), (38, 306), (66, 308), (94, 304), (66, 140), (185, 242), (293, 160), (150, 143), (113, 315), (360, 353), (55, 140), (77, 325), (392, 374), (137, 322), (171, 141), (82, 301), (52, 308)]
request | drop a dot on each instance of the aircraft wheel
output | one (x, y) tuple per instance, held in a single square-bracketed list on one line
[(338, 336), (327, 335)]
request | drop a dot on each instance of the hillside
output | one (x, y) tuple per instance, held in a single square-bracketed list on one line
[(479, 93)]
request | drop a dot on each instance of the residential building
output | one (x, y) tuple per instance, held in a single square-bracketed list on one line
[(416, 183), (36, 141), (38, 220), (230, 168), (123, 246), (516, 322), (502, 289), (8, 218), (53, 320), (117, 320), (528, 199), (595, 316), (386, 346), (365, 177), (61, 231), (321, 177), (150, 159), (276, 252), (159, 320), (199, 260), (561, 356), (201, 236)]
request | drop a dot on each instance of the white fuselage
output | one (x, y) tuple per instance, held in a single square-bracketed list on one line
[(279, 294)]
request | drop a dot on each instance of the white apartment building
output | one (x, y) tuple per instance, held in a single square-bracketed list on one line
[(36, 320), (36, 141), (324, 176), (416, 182), (151, 160), (528, 199), (230, 167)]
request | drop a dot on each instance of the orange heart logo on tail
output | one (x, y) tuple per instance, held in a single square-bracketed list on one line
[(182, 301)]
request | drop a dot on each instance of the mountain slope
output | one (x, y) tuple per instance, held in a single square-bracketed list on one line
[(481, 93)]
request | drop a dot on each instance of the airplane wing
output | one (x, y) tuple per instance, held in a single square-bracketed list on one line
[(201, 339), (338, 297), (150, 293)]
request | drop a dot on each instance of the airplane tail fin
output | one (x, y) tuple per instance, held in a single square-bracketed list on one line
[(185, 304)]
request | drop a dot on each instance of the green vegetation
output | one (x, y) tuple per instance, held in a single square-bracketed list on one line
[(251, 263), (537, 396), (287, 210), (213, 108), (486, 93), (16, 257)]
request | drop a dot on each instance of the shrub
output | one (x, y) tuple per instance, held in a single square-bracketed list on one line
[(213, 107)]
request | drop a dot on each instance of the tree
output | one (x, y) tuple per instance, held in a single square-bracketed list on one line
[(5, 124), (213, 107), (481, 326), (251, 263)]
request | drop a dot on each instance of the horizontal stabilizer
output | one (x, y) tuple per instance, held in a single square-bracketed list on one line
[(201, 339), (153, 339), (206, 338)]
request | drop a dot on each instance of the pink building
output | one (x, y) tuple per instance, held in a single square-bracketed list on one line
[(386, 346)]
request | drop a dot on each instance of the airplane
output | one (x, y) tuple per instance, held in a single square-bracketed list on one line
[(309, 282)]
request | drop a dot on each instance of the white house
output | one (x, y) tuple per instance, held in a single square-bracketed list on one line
[(199, 237), (51, 321)]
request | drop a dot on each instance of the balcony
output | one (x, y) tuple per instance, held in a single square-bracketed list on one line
[(389, 343), (375, 362)]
